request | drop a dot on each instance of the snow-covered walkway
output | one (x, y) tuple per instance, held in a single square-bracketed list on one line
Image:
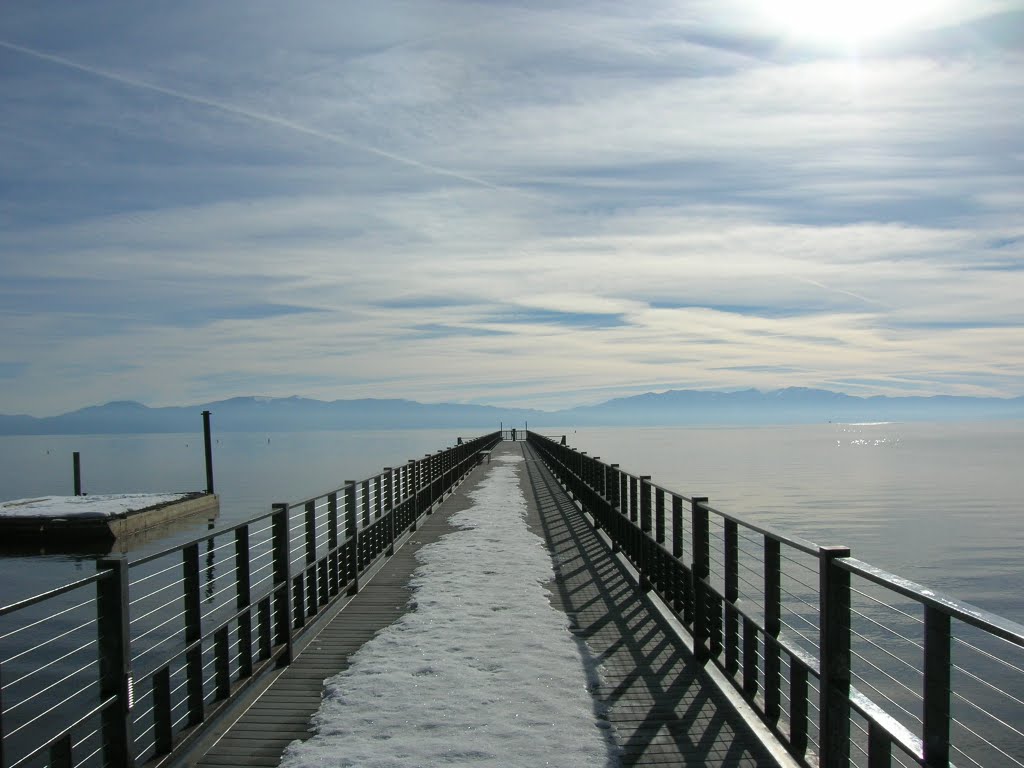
[(483, 672)]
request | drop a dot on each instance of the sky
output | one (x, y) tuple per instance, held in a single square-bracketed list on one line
[(539, 204), (484, 672)]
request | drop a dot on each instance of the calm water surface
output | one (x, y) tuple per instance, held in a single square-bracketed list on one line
[(251, 470), (937, 503)]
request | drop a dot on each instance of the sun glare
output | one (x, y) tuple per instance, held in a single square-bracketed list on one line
[(848, 22)]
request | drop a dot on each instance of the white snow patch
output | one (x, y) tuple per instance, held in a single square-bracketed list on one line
[(98, 505), (483, 671)]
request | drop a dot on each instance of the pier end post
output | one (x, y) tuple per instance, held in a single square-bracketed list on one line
[(112, 627), (208, 452), (834, 592), (76, 468)]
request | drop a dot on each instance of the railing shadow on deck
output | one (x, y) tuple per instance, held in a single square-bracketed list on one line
[(845, 663), (675, 697), (124, 667)]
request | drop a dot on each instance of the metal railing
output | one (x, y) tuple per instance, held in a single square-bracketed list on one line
[(845, 663), (124, 666)]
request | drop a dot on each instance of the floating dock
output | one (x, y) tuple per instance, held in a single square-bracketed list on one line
[(58, 521)]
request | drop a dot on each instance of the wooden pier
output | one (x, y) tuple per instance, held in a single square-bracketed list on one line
[(663, 707), (721, 642)]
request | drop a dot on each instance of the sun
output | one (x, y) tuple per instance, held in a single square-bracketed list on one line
[(848, 22)]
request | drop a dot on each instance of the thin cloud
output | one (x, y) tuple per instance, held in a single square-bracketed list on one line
[(262, 117), (648, 196)]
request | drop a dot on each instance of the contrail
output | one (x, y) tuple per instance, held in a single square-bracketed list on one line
[(261, 117), (824, 287)]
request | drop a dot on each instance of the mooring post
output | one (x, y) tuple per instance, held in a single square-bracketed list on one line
[(209, 452), (834, 641), (76, 467), (112, 628)]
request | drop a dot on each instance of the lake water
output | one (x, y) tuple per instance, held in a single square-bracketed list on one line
[(251, 472), (937, 503), (941, 504)]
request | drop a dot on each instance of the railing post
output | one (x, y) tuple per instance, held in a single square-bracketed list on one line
[(700, 569), (659, 516), (607, 497), (310, 578), (60, 752), (410, 492), (222, 664), (732, 594), (749, 658), (678, 584), (632, 499), (879, 746), (834, 724), (193, 635), (644, 555), (282, 581), (243, 600), (937, 665), (615, 486), (428, 481), (798, 708), (351, 537), (113, 641), (163, 727), (367, 509), (3, 760), (772, 628), (332, 542), (389, 489)]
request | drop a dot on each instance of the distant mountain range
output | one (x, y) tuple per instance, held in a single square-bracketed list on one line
[(675, 407)]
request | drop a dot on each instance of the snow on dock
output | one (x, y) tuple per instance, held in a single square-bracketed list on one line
[(484, 671), (62, 519), (105, 506)]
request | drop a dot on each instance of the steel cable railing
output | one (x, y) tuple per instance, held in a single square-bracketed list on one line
[(740, 589), (206, 618)]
